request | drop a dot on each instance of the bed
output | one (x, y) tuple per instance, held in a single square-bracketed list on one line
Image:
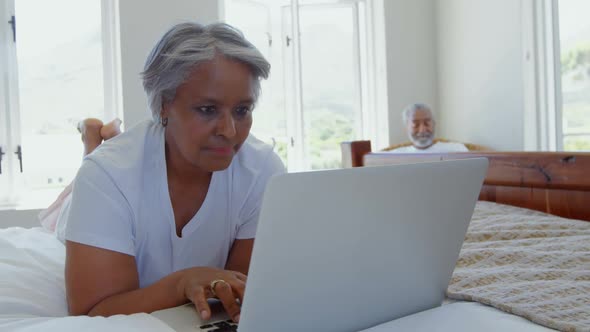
[(527, 251), (32, 290), (32, 294)]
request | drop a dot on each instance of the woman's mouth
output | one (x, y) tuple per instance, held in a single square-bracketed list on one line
[(224, 151)]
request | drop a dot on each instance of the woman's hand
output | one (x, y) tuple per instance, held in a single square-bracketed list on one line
[(196, 284)]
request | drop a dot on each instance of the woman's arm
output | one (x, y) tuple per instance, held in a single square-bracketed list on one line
[(239, 256), (101, 282)]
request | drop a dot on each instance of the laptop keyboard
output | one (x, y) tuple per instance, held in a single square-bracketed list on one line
[(221, 326)]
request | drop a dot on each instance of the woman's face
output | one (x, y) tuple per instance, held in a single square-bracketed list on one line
[(211, 114)]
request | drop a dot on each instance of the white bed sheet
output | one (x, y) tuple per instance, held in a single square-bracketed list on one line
[(451, 317), (460, 317), (32, 298), (32, 289)]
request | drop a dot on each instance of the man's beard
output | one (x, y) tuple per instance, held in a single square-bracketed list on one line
[(422, 140)]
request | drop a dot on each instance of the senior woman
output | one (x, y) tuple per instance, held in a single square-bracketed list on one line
[(166, 212)]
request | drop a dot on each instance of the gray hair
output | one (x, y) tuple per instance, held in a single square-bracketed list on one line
[(410, 109), (185, 46)]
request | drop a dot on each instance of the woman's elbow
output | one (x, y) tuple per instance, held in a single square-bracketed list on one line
[(78, 310)]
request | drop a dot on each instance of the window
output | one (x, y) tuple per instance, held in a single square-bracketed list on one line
[(557, 74), (574, 44), (330, 80), (58, 63), (317, 95), (261, 23)]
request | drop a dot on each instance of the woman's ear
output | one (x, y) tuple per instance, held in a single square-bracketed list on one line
[(165, 110), (164, 114)]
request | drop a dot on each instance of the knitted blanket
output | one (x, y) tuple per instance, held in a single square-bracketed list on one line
[(526, 263)]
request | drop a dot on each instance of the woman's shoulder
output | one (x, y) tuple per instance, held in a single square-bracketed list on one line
[(124, 158), (255, 147), (254, 165), (259, 157), (128, 150)]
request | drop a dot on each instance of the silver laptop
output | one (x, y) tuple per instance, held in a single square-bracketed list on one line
[(345, 250)]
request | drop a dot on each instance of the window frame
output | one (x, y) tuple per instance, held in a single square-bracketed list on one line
[(111, 56), (11, 179), (304, 162), (558, 86), (553, 8), (372, 121), (9, 120), (543, 96)]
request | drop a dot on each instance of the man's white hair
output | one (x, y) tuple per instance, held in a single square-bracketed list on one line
[(410, 109)]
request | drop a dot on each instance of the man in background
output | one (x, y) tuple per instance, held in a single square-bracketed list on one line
[(420, 126)]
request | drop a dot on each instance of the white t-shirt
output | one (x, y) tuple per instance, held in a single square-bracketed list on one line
[(434, 148), (120, 202)]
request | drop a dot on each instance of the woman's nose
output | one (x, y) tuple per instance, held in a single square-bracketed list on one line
[(226, 126)]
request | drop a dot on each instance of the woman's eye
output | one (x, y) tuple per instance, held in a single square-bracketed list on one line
[(206, 110), (242, 111)]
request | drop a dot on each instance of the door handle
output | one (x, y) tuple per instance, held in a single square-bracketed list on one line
[(1, 154), (12, 24), (19, 153)]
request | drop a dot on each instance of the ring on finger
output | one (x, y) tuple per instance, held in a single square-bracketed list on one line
[(214, 283)]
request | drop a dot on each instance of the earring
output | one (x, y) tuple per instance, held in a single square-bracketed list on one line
[(164, 122)]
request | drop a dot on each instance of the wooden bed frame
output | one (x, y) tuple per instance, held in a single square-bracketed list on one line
[(552, 182)]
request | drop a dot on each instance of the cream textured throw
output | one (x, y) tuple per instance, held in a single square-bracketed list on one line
[(527, 263)]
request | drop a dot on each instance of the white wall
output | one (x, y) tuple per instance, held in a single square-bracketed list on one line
[(480, 79), (141, 24), (411, 58)]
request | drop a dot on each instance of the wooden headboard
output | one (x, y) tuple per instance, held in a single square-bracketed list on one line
[(552, 182)]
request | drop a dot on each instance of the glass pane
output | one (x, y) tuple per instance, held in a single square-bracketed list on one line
[(59, 54), (330, 81), (577, 143), (574, 29), (260, 21)]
